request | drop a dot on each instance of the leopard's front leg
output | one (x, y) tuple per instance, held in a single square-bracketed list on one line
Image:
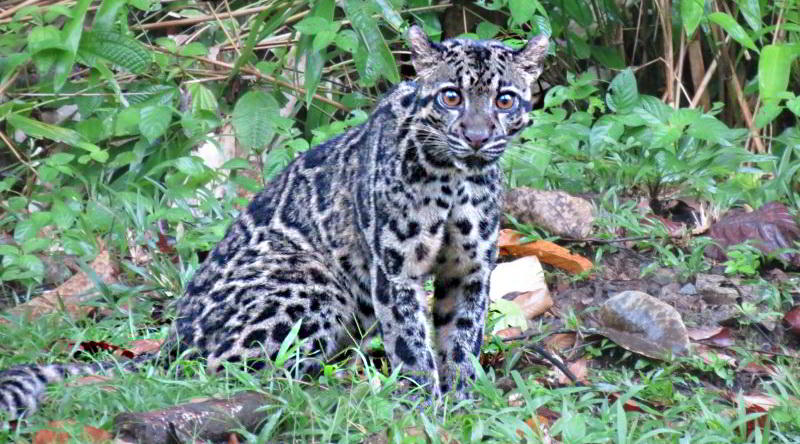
[(400, 308), (462, 283)]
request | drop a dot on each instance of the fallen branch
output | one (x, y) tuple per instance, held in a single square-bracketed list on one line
[(208, 420)]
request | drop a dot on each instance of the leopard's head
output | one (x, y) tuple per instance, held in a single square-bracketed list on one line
[(474, 95)]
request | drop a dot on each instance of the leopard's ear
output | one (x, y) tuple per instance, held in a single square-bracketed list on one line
[(424, 53), (530, 58)]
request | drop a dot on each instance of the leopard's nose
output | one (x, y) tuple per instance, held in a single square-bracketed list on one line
[(477, 137)]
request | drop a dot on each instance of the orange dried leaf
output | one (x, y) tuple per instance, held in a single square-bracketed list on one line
[(508, 243)]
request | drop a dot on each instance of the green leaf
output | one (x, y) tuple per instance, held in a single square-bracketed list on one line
[(794, 106), (376, 49), (252, 119), (751, 10), (487, 30), (71, 35), (521, 10), (31, 263), (154, 121), (767, 113), (734, 29), (579, 12), (118, 49), (347, 40), (624, 93), (104, 19), (774, 67), (202, 99), (323, 39), (37, 129), (608, 57), (390, 14), (63, 216), (191, 166), (691, 14), (311, 25)]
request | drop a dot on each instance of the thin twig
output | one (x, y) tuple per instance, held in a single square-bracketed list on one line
[(256, 73), (17, 155), (14, 9)]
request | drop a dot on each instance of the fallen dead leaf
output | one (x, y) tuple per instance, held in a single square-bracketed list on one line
[(643, 324), (509, 245), (534, 303), (142, 346), (560, 341), (792, 320), (579, 368), (771, 228), (509, 332), (71, 295), (710, 355), (700, 333), (55, 434)]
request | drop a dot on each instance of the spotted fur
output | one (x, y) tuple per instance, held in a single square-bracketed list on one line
[(347, 234)]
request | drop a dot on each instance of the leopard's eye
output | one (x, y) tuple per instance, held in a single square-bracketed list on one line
[(450, 97), (505, 101)]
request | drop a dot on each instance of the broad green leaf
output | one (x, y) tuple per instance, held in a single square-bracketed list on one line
[(774, 66), (31, 263), (118, 49), (751, 10), (191, 166), (521, 10), (323, 39), (734, 29), (377, 50), (63, 216), (624, 93), (578, 10), (608, 57), (311, 25), (691, 14), (37, 129), (154, 121), (71, 35), (390, 14), (347, 40), (767, 113), (202, 99), (104, 19), (253, 118), (487, 30), (794, 106)]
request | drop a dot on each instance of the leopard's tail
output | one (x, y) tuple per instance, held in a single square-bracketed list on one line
[(23, 387)]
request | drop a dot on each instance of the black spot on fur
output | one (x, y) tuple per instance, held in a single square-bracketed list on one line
[(255, 338), (280, 331), (403, 352)]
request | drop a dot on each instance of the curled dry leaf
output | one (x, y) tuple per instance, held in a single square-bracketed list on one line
[(71, 295), (509, 244), (561, 341), (534, 303), (510, 332), (792, 320), (770, 228), (643, 324), (700, 333)]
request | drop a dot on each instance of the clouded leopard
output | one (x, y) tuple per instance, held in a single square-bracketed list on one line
[(347, 234)]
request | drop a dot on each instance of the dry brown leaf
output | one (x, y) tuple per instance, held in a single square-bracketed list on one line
[(92, 380), (72, 294), (142, 346), (700, 333), (509, 332), (509, 244), (792, 320), (55, 434), (560, 341), (643, 324), (579, 368), (534, 303)]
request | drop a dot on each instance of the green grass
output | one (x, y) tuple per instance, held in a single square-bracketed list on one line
[(357, 401)]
